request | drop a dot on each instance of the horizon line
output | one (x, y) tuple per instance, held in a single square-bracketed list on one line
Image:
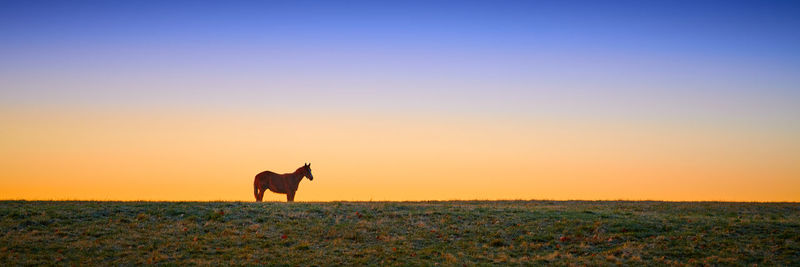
[(407, 201)]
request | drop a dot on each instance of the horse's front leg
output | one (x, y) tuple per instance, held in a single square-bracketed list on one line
[(290, 196)]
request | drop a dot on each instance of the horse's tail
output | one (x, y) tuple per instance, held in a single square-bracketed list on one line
[(255, 189)]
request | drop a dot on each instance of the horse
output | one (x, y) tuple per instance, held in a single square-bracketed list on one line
[(280, 183)]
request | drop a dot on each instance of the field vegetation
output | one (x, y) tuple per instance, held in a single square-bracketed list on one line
[(399, 233)]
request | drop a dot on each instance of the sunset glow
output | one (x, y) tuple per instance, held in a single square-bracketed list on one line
[(404, 101)]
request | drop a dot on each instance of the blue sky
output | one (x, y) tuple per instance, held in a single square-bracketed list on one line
[(700, 59), (745, 36)]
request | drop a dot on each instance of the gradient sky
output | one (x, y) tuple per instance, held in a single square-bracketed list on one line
[(405, 100)]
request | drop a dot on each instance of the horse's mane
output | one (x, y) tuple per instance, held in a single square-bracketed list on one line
[(301, 169)]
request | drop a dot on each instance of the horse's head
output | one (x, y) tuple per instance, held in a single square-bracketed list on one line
[(307, 171)]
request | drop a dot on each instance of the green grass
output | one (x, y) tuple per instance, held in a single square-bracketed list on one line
[(399, 233)]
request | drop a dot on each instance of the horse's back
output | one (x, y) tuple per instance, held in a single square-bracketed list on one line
[(265, 177), (265, 174)]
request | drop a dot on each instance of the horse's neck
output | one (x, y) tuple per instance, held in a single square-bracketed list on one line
[(296, 177)]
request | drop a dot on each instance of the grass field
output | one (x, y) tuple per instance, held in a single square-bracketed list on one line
[(399, 233)]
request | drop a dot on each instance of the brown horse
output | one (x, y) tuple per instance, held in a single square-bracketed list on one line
[(280, 183)]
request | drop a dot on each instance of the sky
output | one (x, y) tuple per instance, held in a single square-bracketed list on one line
[(401, 100)]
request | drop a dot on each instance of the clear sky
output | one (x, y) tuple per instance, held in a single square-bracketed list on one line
[(401, 100)]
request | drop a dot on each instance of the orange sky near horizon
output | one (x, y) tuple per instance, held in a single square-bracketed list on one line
[(157, 155)]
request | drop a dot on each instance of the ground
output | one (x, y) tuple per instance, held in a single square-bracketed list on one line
[(399, 233)]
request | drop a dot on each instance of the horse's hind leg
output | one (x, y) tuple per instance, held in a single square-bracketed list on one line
[(260, 195), (258, 185)]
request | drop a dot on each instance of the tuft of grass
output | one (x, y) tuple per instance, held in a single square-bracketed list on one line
[(399, 233)]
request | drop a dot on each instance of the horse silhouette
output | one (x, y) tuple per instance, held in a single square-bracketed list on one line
[(280, 183)]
